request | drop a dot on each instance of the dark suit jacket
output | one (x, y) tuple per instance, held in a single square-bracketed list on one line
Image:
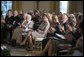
[(16, 20), (9, 20)]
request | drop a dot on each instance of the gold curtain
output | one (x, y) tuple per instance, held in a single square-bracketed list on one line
[(51, 6), (54, 6), (72, 6), (17, 5)]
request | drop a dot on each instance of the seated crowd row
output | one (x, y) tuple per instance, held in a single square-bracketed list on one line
[(19, 27)]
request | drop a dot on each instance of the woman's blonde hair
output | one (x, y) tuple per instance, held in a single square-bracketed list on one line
[(55, 19), (48, 15), (72, 19)]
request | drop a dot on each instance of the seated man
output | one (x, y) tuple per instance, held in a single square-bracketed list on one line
[(16, 19), (35, 19), (3, 30), (9, 24)]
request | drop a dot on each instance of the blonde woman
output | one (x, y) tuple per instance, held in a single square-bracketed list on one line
[(54, 23), (72, 19), (49, 16)]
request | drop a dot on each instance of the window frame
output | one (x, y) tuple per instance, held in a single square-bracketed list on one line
[(60, 9), (7, 5)]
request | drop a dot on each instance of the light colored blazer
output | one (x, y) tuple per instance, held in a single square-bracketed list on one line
[(44, 27)]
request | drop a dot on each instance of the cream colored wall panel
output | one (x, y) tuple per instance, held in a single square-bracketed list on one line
[(44, 5), (28, 5)]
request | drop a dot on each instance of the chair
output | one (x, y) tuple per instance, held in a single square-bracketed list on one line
[(38, 43), (63, 49)]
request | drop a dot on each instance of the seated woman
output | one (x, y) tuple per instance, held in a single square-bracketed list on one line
[(72, 20), (55, 27), (58, 26), (52, 44), (39, 33), (26, 25)]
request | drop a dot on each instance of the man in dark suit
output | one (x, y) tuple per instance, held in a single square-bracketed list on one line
[(16, 19), (36, 19), (9, 17), (9, 23)]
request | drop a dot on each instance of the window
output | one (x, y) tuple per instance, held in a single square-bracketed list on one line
[(63, 6), (6, 5)]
